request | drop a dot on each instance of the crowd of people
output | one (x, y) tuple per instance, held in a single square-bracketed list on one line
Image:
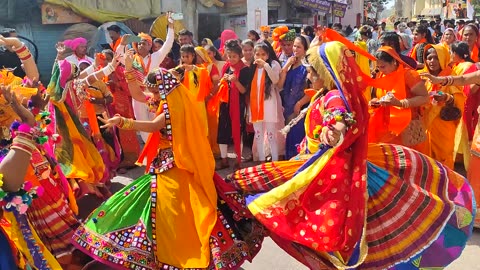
[(354, 144)]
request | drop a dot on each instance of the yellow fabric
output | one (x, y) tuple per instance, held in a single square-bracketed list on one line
[(364, 64), (7, 115), (203, 54), (107, 11), (296, 184), (187, 199), (13, 232), (442, 133), (199, 90), (85, 161), (462, 144), (159, 27), (97, 90)]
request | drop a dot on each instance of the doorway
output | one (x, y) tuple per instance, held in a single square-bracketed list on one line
[(209, 26)]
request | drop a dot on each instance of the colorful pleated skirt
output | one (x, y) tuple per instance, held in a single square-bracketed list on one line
[(419, 212)]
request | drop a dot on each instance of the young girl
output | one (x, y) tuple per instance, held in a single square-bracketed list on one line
[(247, 51), (265, 100), (236, 78), (195, 78), (421, 37)]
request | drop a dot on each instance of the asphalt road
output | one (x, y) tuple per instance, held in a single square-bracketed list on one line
[(272, 257)]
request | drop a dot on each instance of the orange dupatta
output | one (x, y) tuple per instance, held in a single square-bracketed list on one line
[(474, 54), (413, 54), (204, 82), (257, 97), (389, 120)]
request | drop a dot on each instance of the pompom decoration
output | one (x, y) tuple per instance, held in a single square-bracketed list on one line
[(21, 199), (56, 138), (24, 128)]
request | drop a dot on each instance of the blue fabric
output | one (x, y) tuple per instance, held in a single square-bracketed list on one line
[(293, 89), (323, 54), (7, 260), (376, 178), (294, 138)]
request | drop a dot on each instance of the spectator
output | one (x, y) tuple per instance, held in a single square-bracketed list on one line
[(115, 35), (206, 41), (185, 37), (8, 57), (79, 48), (309, 31), (253, 35)]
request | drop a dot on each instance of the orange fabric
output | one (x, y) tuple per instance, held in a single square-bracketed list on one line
[(474, 54), (276, 34), (332, 35), (391, 120), (116, 44), (221, 96), (257, 98), (310, 92), (413, 54), (92, 117)]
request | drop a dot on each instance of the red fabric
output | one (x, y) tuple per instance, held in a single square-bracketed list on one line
[(234, 101), (470, 113), (224, 37), (123, 106), (328, 214), (214, 71)]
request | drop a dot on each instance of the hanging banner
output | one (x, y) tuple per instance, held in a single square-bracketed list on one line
[(339, 9), (54, 14), (459, 9), (322, 6)]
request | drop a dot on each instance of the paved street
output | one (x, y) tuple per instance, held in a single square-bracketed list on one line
[(272, 257)]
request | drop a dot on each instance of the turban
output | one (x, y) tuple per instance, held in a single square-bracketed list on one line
[(289, 36), (74, 43), (278, 32), (265, 28), (146, 37)]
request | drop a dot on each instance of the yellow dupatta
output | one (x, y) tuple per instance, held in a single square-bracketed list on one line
[(432, 112)]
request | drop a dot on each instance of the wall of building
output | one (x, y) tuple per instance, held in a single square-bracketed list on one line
[(257, 14), (351, 14)]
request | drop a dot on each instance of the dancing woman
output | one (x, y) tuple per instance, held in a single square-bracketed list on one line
[(168, 218), (343, 203)]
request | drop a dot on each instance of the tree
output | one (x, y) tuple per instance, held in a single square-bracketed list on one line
[(375, 7)]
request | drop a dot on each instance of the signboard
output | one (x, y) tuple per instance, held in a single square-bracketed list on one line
[(238, 22), (339, 9), (54, 14), (322, 6)]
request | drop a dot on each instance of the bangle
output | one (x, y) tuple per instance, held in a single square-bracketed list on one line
[(23, 53), (450, 99), (23, 144), (122, 121), (126, 123)]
